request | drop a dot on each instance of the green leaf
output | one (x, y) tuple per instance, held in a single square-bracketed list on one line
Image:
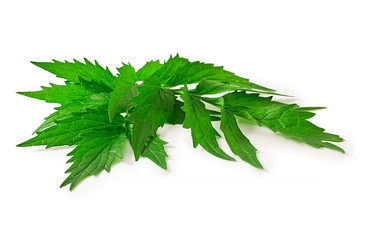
[(70, 131), (148, 70), (154, 108), (121, 99), (195, 72), (74, 71), (213, 87), (198, 119), (65, 94), (95, 152), (168, 69), (73, 98), (238, 143), (127, 72), (206, 87), (67, 110), (287, 119), (155, 151)]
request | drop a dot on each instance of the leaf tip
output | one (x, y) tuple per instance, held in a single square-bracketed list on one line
[(163, 166), (39, 64), (259, 166), (341, 150), (71, 188), (111, 115), (23, 144), (67, 182), (137, 157)]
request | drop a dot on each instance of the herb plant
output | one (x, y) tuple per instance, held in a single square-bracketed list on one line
[(100, 111)]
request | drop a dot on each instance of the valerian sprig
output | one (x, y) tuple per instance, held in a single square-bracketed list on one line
[(100, 113)]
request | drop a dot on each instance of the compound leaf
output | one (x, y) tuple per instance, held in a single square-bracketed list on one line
[(198, 119), (95, 152), (287, 119), (75, 71), (70, 131)]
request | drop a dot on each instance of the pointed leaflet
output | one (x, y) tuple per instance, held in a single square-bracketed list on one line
[(168, 69), (148, 70), (64, 94), (71, 130), (194, 72), (72, 97), (197, 118), (238, 143), (287, 119), (75, 71), (154, 108), (95, 152), (213, 87), (127, 72), (155, 151), (95, 102), (67, 111)]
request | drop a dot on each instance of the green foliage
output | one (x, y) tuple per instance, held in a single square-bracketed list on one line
[(287, 119), (100, 112), (198, 119), (121, 99), (154, 108), (96, 151), (155, 151), (238, 143), (76, 71)]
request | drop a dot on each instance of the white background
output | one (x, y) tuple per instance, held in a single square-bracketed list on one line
[(319, 51)]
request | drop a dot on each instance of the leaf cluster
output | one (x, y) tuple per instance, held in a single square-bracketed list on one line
[(100, 112)]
